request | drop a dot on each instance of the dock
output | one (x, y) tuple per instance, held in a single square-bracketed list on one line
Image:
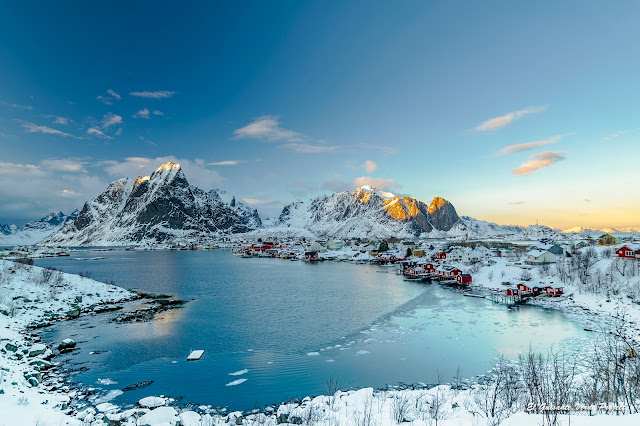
[(195, 355)]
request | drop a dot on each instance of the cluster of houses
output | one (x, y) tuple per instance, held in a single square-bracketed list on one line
[(526, 291), (431, 271)]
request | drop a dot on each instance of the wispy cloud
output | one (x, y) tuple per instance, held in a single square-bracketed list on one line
[(114, 94), (515, 203), (65, 165), (267, 202), (306, 148), (538, 161), (503, 120), (108, 100), (143, 113), (158, 113), (267, 128), (228, 163), (614, 135), (370, 166), (160, 94), (388, 150), (528, 145), (110, 119), (34, 128), (97, 132), (27, 107)]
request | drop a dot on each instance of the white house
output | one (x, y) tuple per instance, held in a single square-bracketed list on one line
[(334, 245), (540, 257)]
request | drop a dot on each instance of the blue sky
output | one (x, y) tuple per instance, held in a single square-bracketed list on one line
[(513, 111)]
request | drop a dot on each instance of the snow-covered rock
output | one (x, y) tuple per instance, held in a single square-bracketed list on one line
[(152, 402), (162, 207)]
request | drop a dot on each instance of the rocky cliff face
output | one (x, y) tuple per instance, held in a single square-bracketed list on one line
[(162, 207), (367, 212)]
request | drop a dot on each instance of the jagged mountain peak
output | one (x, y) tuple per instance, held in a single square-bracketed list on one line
[(159, 207)]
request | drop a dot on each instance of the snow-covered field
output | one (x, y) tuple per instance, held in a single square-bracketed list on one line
[(30, 295)]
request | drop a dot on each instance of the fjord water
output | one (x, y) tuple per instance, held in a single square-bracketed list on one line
[(274, 329)]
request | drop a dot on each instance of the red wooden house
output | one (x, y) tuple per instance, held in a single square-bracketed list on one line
[(553, 291), (629, 251), (512, 292), (524, 289), (463, 278)]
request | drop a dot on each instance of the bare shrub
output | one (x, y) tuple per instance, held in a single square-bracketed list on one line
[(400, 406)]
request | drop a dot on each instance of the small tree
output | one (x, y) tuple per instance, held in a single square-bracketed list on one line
[(383, 246), (409, 252)]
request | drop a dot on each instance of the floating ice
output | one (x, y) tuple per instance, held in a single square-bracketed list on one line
[(239, 373), (362, 352), (236, 382), (313, 353)]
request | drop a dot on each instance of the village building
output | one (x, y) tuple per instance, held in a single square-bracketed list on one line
[(629, 251), (540, 257), (606, 240)]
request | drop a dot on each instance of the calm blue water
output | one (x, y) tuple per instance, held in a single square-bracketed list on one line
[(292, 325)]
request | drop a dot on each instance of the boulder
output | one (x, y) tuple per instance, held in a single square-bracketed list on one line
[(164, 415), (66, 345), (37, 350)]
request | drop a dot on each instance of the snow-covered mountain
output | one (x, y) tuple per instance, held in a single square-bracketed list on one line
[(366, 212), (33, 232), (162, 207), (369, 213), (470, 228)]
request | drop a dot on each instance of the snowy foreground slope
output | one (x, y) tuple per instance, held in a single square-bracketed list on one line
[(162, 207), (29, 295), (35, 231)]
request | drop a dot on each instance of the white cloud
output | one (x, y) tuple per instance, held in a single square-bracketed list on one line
[(114, 94), (228, 163), (67, 193), (33, 190), (111, 119), (264, 202), (65, 165), (97, 132), (196, 171), (528, 145), (503, 120), (388, 150), (370, 166), (143, 113), (306, 148), (537, 162), (158, 113), (108, 100), (614, 135), (34, 128), (61, 120), (160, 94), (267, 128)]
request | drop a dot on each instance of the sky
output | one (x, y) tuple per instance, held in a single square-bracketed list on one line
[(516, 112)]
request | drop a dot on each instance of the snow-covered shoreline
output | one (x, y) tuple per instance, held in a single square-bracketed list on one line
[(49, 402)]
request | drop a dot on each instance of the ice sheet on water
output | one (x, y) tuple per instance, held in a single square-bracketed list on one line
[(106, 382), (239, 373), (362, 352), (313, 353), (236, 382)]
